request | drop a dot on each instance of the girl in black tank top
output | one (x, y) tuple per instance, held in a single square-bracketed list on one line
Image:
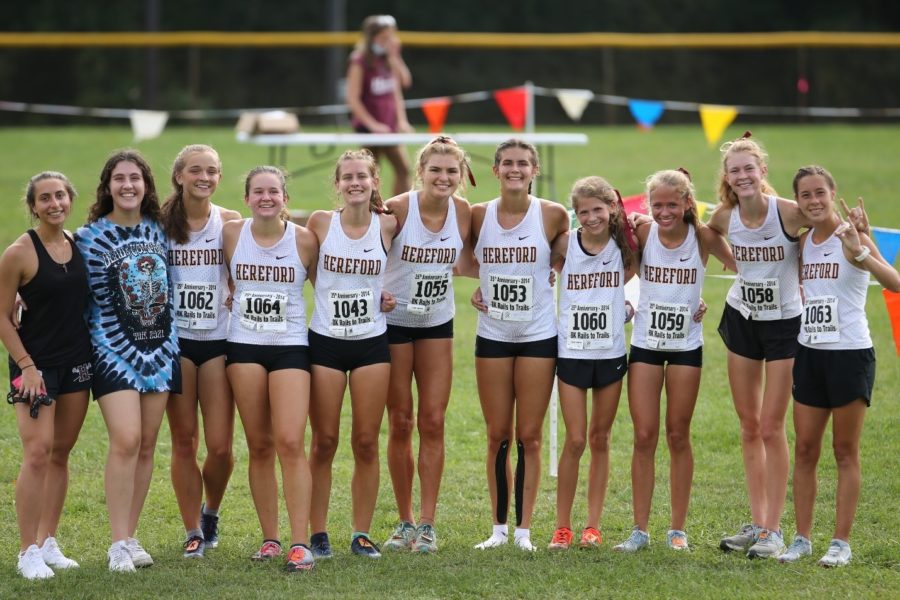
[(49, 360)]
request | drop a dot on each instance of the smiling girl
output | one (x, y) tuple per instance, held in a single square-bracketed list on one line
[(834, 371), (348, 334), (135, 340), (667, 347), (596, 263), (193, 225), (432, 228), (515, 349), (49, 357), (269, 259)]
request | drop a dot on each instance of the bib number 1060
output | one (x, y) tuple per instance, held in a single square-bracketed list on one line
[(588, 321)]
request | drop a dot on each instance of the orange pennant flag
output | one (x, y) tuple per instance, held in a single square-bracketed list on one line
[(513, 103), (892, 299), (435, 111)]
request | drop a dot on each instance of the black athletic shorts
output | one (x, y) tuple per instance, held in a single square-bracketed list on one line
[(833, 378), (398, 334), (591, 374), (200, 351), (346, 355), (485, 348), (59, 380), (687, 358), (271, 358), (759, 340)]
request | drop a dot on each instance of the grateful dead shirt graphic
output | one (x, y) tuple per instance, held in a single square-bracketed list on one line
[(130, 315)]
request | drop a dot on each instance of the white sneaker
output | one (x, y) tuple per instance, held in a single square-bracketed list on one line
[(139, 556), (119, 558), (32, 565), (54, 557), (524, 543), (838, 554), (798, 548), (493, 542)]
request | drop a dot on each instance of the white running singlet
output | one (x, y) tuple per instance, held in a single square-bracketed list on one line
[(767, 287), (420, 269), (200, 278), (349, 280), (515, 278), (671, 282), (268, 307), (835, 289), (591, 302)]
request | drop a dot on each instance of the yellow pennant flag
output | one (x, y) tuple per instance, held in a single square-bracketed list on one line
[(702, 207), (715, 120)]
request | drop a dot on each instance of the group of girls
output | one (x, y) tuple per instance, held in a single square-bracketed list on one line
[(176, 296)]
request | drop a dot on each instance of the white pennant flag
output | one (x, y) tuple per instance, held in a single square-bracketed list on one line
[(574, 102), (147, 124)]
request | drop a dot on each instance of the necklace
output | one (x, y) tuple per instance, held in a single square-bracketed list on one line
[(62, 264)]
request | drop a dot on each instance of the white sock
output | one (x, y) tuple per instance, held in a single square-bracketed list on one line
[(501, 531), (522, 533)]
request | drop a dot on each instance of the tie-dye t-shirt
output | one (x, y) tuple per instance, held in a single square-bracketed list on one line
[(130, 309)]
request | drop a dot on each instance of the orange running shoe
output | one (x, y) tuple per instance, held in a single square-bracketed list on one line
[(562, 539), (590, 538)]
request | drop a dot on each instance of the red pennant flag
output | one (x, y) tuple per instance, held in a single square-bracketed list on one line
[(436, 112), (892, 299), (635, 204), (513, 103)]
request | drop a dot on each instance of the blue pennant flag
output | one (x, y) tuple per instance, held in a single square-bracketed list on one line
[(646, 112), (888, 242)]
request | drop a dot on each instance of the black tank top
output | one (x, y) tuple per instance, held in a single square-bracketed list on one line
[(53, 328)]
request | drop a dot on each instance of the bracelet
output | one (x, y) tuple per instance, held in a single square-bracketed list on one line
[(26, 366), (23, 358), (863, 254)]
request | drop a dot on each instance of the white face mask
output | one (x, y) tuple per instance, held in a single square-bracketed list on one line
[(378, 49)]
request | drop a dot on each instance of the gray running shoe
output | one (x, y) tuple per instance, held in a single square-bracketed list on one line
[(403, 537), (799, 547), (838, 555), (426, 539), (637, 540), (139, 556), (740, 541), (769, 544)]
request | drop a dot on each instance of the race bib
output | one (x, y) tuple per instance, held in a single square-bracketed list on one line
[(760, 299), (427, 291), (589, 327), (351, 312), (510, 297), (264, 311), (196, 305), (667, 325), (820, 320)]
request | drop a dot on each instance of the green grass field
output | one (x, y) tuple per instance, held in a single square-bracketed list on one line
[(863, 159)]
